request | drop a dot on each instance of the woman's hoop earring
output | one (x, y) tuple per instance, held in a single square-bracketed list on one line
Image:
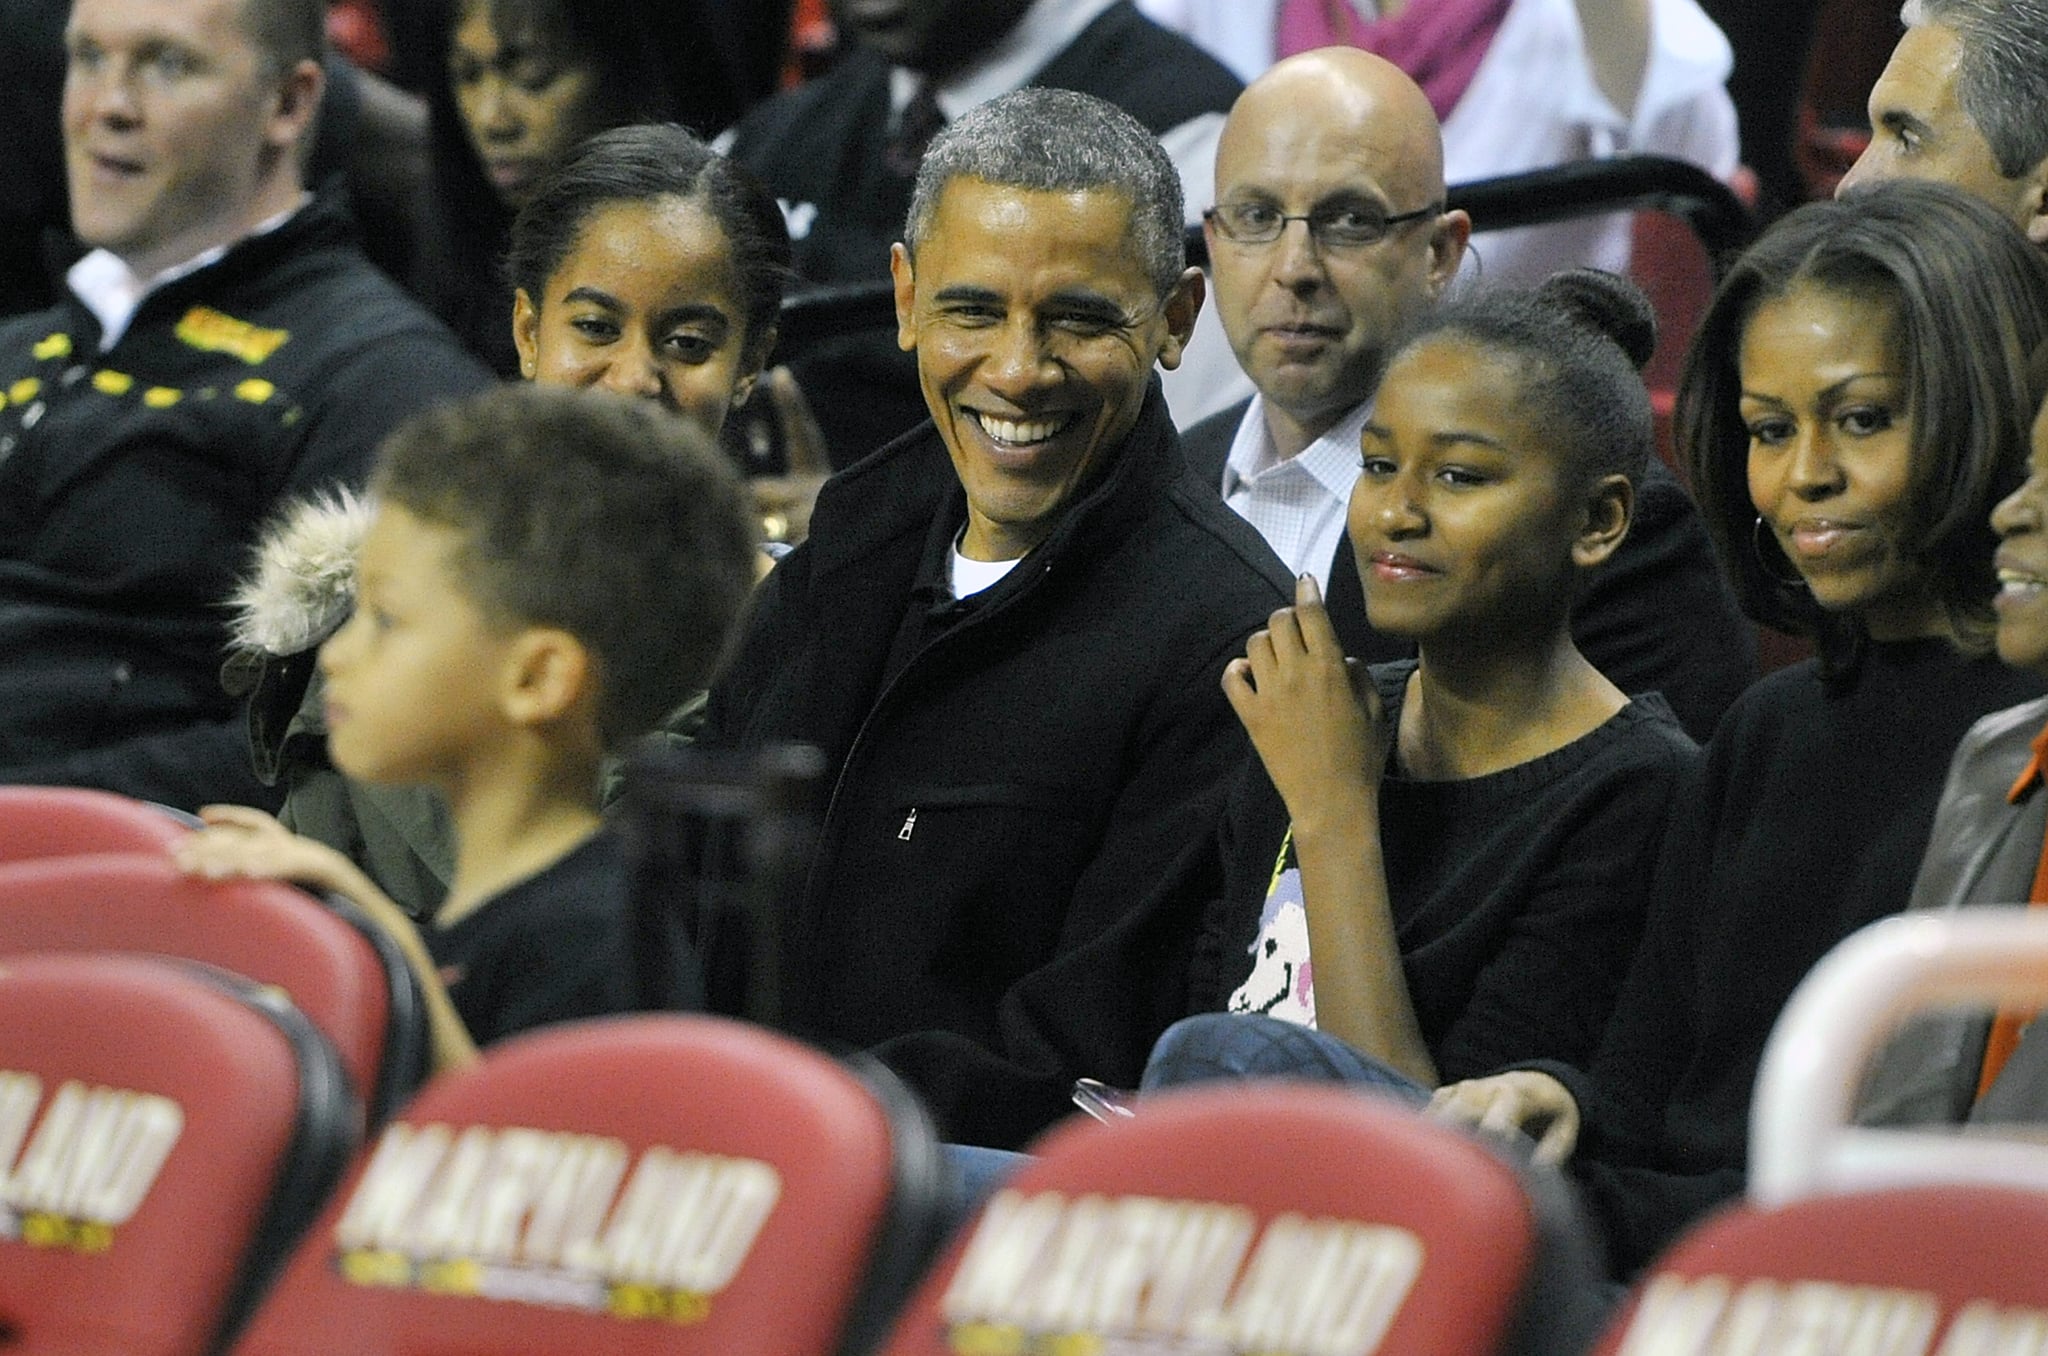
[(1756, 547)]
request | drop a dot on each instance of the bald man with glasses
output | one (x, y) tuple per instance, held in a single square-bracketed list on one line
[(1329, 237)]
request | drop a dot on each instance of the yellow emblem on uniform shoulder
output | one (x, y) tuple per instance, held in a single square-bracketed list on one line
[(212, 331), (109, 382), (255, 390), (24, 390), (162, 397), (56, 346)]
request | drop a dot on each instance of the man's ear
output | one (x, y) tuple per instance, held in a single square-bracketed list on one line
[(297, 96), (526, 332), (1183, 305), (2035, 204), (547, 674), (1610, 505), (903, 273), (1447, 241)]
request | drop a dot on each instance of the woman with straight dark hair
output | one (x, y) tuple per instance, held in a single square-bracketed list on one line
[(1854, 404)]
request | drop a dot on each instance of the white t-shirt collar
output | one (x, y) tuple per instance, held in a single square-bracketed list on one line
[(968, 577), (114, 292)]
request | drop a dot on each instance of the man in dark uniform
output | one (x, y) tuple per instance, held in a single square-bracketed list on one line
[(222, 347)]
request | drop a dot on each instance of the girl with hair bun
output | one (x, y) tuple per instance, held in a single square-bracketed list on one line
[(1439, 862)]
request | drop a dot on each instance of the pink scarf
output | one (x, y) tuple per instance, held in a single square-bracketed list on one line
[(1440, 43)]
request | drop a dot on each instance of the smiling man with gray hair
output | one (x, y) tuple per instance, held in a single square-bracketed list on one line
[(1007, 632)]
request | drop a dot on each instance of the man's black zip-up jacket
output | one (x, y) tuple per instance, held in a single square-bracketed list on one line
[(1010, 777)]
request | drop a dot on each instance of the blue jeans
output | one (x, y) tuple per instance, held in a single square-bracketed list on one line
[(1235, 1045), (1207, 1048)]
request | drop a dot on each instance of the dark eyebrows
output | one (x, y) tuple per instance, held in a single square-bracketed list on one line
[(1346, 198), (1089, 306), (1069, 303), (1440, 440), (1833, 391), (1898, 120), (690, 313), (1341, 198), (596, 296), (694, 313), (967, 294), (1838, 389), (1458, 437)]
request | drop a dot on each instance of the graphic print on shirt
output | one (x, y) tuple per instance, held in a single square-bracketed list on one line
[(1282, 982)]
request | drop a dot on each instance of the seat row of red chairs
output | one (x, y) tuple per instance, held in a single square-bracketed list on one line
[(210, 1140)]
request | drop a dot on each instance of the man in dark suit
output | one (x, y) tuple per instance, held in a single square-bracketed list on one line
[(1346, 145)]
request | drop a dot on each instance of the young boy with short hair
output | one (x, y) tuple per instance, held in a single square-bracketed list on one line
[(547, 574)]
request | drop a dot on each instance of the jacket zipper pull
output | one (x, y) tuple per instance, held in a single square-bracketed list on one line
[(909, 823)]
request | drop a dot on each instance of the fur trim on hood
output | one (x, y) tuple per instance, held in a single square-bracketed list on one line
[(302, 583)]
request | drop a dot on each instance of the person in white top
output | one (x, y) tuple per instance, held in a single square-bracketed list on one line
[(1562, 80)]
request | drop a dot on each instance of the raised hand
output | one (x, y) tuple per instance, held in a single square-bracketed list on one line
[(1312, 714)]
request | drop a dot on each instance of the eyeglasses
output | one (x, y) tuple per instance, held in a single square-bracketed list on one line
[(1349, 227)]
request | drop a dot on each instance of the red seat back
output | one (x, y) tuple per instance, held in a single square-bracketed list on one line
[(1274, 1218), (60, 821), (626, 1185), (147, 1118), (1898, 1269), (266, 931)]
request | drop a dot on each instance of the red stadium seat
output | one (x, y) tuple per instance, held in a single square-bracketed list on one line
[(678, 1184), (1276, 1218), (346, 976), (166, 1135), (61, 821), (1868, 1240)]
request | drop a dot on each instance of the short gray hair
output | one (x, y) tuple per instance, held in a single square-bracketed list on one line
[(1060, 141), (2002, 73)]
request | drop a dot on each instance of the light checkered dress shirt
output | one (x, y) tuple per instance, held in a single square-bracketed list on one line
[(1298, 504)]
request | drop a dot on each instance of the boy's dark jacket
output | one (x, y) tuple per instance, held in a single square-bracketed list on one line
[(1001, 806)]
